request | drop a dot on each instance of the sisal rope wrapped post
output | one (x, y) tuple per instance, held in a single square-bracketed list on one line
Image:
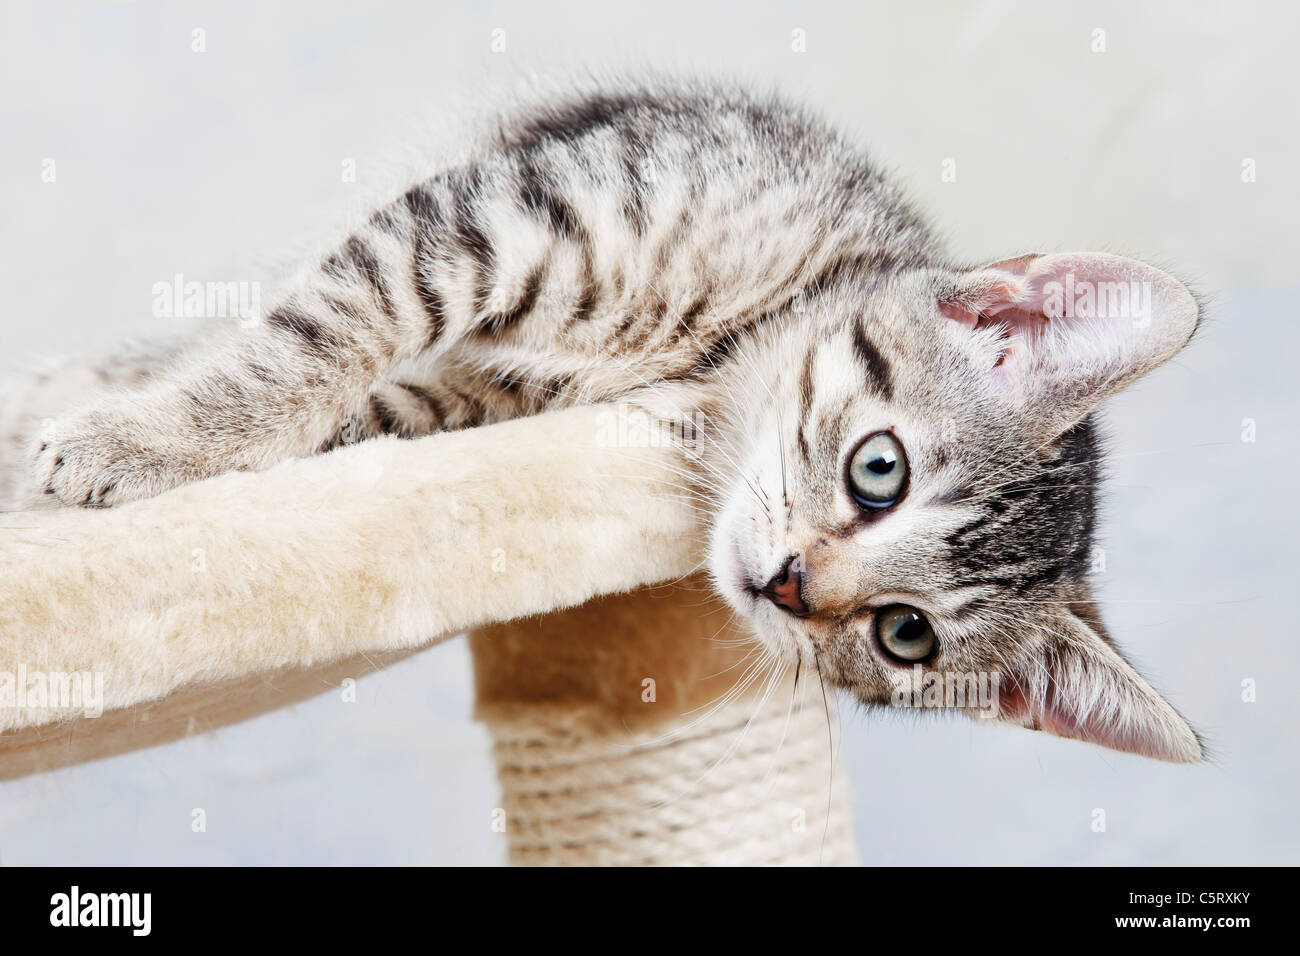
[(611, 748)]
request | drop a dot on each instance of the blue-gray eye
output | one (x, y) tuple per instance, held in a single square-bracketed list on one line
[(904, 633), (878, 471)]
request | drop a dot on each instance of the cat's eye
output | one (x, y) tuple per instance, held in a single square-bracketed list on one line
[(904, 633), (878, 471)]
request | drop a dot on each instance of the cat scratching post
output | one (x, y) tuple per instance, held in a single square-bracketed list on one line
[(612, 749), (219, 601)]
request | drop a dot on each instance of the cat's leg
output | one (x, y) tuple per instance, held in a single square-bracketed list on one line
[(406, 407), (255, 397), (30, 403), (405, 284)]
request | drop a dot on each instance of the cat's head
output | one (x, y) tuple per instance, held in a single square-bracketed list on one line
[(918, 486)]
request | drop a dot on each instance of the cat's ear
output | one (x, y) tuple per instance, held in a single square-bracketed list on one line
[(1067, 331), (1080, 687)]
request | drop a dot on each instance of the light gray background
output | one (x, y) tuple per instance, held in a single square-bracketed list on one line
[(208, 163)]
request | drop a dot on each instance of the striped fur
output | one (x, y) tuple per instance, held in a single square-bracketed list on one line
[(701, 251)]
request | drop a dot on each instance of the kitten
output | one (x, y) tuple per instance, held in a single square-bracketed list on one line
[(898, 452)]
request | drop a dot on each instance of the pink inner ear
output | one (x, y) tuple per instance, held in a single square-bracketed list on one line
[(960, 312), (1075, 327), (998, 303), (992, 300), (1060, 714), (1029, 291)]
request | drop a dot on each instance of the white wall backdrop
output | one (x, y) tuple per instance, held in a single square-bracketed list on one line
[(212, 164)]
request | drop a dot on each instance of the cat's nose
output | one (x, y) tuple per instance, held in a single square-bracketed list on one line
[(785, 590)]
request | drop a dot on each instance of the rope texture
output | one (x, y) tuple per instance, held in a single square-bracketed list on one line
[(747, 785)]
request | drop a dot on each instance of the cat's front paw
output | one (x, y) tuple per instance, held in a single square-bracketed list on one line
[(105, 457)]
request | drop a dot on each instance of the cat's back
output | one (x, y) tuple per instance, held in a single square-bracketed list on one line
[(674, 210), (666, 151)]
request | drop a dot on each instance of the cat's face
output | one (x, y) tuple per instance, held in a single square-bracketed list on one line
[(917, 489)]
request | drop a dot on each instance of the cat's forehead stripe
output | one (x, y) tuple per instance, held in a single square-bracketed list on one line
[(807, 394), (879, 375)]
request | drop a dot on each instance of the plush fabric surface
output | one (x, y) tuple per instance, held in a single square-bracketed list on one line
[(374, 548)]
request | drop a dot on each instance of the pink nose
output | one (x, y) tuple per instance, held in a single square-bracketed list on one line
[(785, 590)]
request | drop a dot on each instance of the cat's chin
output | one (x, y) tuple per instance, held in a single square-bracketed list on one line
[(779, 637)]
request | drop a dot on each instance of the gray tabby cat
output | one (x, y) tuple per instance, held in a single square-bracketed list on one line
[(900, 463)]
